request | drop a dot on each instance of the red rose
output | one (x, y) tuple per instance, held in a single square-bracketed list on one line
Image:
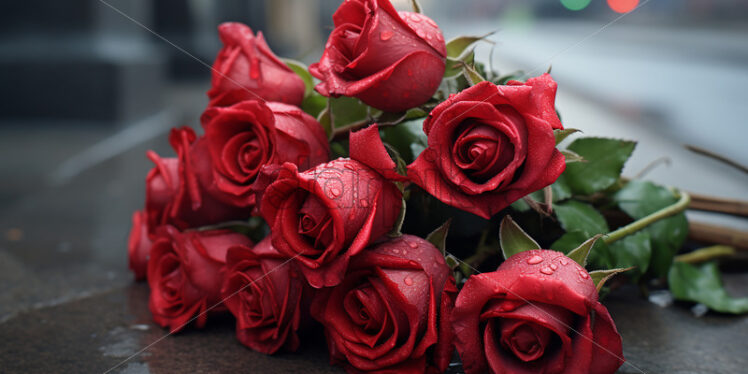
[(537, 313), (325, 215), (246, 69), (139, 245), (185, 273), (161, 186), (265, 293), (199, 200), (490, 145), (248, 135), (391, 312), (391, 61)]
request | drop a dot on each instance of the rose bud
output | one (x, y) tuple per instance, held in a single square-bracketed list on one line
[(324, 216), (490, 145), (391, 313), (246, 69), (251, 134), (198, 201), (389, 60), (266, 294), (161, 186), (139, 245), (538, 312), (185, 273)]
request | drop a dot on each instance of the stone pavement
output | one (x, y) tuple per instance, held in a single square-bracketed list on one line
[(68, 304)]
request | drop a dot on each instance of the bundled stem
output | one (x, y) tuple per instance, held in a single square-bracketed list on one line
[(642, 223)]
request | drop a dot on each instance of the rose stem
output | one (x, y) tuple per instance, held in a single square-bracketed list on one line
[(639, 224), (706, 254)]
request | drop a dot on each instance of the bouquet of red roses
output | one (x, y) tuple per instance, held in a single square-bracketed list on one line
[(290, 209)]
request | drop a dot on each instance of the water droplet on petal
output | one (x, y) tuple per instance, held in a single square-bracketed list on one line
[(546, 271), (364, 203), (564, 262), (408, 280), (349, 167), (385, 35), (583, 274), (420, 33), (395, 250), (534, 260), (335, 192), (554, 266), (413, 245)]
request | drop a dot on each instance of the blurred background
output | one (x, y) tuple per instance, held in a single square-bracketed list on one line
[(88, 86)]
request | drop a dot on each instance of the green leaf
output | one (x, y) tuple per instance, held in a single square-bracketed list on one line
[(569, 241), (632, 251), (454, 65), (339, 149), (458, 45), (404, 136), (580, 254), (577, 216), (605, 159), (348, 111), (602, 276), (560, 188), (513, 239), (572, 156), (314, 104), (472, 75), (520, 206), (639, 199), (438, 237), (325, 121), (563, 134), (703, 285), (301, 70)]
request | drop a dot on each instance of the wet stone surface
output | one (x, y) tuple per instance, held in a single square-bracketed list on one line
[(113, 330)]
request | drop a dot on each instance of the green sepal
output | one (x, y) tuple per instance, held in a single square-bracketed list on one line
[(513, 239), (580, 254), (602, 276), (438, 237)]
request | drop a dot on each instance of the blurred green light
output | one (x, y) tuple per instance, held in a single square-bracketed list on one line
[(575, 4)]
